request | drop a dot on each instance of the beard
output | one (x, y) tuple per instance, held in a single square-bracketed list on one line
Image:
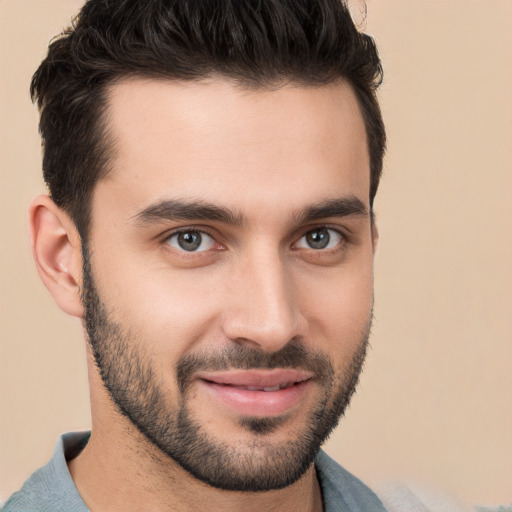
[(128, 374)]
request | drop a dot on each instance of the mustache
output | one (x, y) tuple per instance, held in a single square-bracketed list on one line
[(240, 357)]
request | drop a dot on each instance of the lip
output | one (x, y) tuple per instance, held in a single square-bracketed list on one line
[(244, 390)]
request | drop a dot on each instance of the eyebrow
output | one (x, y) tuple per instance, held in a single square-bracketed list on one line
[(176, 209), (340, 207)]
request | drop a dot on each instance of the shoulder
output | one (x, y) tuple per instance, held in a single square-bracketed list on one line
[(342, 491), (51, 488)]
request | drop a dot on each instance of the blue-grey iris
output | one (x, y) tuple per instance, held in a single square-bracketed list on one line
[(318, 239), (190, 240)]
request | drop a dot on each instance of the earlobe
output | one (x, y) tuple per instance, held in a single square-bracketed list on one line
[(56, 248)]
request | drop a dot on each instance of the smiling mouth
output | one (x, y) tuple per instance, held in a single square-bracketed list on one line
[(277, 387), (258, 393), (258, 380)]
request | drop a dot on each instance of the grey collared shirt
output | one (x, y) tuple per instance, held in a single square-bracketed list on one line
[(51, 488)]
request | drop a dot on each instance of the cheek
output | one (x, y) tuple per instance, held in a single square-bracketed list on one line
[(338, 306), (170, 311)]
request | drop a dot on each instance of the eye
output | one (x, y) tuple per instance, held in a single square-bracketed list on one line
[(320, 239), (191, 241)]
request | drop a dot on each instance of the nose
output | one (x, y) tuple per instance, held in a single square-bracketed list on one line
[(264, 309)]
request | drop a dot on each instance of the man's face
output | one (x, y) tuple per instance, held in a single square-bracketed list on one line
[(228, 272)]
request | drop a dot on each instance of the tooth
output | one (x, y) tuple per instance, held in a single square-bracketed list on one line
[(269, 388)]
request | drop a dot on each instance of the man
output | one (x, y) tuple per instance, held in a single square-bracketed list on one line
[(212, 168)]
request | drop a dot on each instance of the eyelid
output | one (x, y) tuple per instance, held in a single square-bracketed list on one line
[(207, 230), (187, 229), (343, 236)]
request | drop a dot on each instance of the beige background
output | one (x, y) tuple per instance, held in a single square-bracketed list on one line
[(435, 402)]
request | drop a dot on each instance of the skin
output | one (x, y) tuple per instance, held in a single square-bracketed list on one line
[(266, 156)]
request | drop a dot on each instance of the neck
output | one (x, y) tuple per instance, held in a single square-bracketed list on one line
[(119, 470)]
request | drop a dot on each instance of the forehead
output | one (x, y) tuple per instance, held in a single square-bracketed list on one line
[(214, 141)]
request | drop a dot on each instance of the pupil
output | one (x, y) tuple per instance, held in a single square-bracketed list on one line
[(318, 239), (190, 240)]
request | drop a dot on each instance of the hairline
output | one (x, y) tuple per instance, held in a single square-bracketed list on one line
[(106, 128)]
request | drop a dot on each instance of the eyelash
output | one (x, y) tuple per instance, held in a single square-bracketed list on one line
[(340, 245), (342, 239), (176, 233)]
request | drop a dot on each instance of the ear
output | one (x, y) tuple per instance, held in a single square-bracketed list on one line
[(375, 235), (56, 248)]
